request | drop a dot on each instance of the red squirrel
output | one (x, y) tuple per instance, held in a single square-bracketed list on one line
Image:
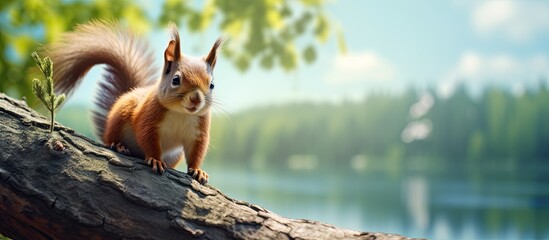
[(161, 116)]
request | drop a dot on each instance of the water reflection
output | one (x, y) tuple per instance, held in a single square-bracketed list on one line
[(441, 228), (450, 206), (417, 202)]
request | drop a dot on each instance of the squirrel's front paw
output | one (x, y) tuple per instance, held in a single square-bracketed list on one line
[(120, 148), (200, 175), (157, 165)]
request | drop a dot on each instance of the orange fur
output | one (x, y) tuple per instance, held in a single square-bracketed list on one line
[(120, 114), (195, 76), (197, 154), (145, 123)]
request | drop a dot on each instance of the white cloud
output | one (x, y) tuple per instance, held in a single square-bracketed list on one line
[(474, 67), (360, 67), (502, 67), (445, 89), (517, 20), (491, 14)]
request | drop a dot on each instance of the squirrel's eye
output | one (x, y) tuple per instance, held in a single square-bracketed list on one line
[(176, 81), (212, 86)]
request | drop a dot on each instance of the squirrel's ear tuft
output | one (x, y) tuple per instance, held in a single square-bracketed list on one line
[(173, 51), (170, 54), (211, 58)]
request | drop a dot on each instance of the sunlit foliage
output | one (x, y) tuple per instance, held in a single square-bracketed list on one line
[(264, 30)]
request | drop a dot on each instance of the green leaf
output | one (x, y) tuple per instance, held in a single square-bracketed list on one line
[(45, 102), (267, 61), (288, 59), (243, 62), (301, 24), (44, 89), (48, 67), (50, 100), (287, 34), (322, 29), (309, 54), (49, 86), (48, 72), (312, 3), (37, 88), (341, 43), (286, 11), (58, 101), (37, 60), (22, 44), (194, 22)]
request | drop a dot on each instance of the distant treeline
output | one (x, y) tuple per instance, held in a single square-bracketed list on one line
[(496, 128), (414, 130)]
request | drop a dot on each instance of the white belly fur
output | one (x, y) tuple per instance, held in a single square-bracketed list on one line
[(178, 132)]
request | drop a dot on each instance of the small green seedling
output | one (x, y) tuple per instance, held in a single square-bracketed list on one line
[(43, 89)]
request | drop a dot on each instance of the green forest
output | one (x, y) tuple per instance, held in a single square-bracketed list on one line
[(494, 130)]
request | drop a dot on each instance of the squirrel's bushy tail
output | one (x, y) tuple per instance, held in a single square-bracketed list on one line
[(128, 59)]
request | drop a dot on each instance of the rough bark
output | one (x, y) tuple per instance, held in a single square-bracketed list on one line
[(89, 192)]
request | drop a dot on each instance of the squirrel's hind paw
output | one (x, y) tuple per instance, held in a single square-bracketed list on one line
[(118, 147), (199, 175)]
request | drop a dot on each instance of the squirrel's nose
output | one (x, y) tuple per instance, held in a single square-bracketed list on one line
[(195, 98)]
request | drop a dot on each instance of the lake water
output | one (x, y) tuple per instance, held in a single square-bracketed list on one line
[(486, 205)]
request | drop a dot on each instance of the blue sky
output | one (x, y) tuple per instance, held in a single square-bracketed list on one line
[(392, 45)]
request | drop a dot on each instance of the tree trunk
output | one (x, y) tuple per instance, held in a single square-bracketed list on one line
[(65, 186)]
